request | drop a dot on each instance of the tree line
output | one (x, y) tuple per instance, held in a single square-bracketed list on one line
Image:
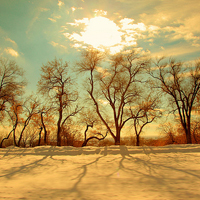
[(125, 90)]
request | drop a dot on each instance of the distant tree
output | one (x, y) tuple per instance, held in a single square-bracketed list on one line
[(20, 115), (30, 108), (55, 83), (181, 83), (14, 117), (145, 112), (113, 87), (43, 120), (12, 84)]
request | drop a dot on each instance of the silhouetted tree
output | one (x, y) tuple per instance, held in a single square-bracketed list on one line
[(55, 83), (91, 120), (113, 87), (11, 84), (181, 83), (30, 108), (145, 112)]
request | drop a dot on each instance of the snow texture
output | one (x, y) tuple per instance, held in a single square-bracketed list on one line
[(100, 173)]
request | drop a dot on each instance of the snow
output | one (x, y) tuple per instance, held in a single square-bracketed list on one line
[(100, 173)]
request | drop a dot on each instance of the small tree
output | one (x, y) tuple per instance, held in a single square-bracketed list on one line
[(14, 117), (30, 108), (143, 114), (91, 120), (56, 85), (181, 83)]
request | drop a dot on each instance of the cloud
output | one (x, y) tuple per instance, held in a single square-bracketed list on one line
[(12, 41), (75, 8), (102, 33), (176, 50), (60, 3), (100, 12), (102, 71), (55, 44), (53, 20), (103, 101), (11, 51), (44, 9), (177, 20)]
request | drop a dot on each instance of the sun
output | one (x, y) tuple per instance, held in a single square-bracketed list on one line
[(101, 31)]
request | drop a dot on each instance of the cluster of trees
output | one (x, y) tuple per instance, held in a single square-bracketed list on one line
[(123, 90)]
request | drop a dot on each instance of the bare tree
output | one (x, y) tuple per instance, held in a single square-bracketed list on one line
[(20, 115), (91, 120), (30, 108), (181, 83), (14, 113), (42, 120), (113, 87), (56, 85), (11, 84), (145, 112)]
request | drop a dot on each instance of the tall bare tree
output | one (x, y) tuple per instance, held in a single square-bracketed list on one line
[(113, 87), (12, 84), (181, 83), (55, 83)]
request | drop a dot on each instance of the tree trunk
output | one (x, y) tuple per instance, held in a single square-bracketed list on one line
[(59, 122), (188, 137), (58, 136), (39, 140), (21, 135), (117, 138), (188, 131), (14, 137), (1, 144), (137, 140), (44, 127)]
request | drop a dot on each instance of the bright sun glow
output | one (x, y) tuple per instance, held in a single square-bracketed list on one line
[(100, 31)]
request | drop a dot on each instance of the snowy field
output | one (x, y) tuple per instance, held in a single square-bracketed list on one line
[(100, 173)]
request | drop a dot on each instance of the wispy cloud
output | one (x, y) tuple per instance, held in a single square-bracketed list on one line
[(55, 44), (11, 51), (44, 9), (12, 41), (51, 19)]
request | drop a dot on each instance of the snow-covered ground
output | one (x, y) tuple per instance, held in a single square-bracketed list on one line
[(100, 173)]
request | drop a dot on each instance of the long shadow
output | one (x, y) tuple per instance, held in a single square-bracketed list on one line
[(27, 167), (151, 169)]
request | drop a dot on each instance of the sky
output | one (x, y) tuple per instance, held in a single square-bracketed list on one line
[(36, 31), (103, 173)]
